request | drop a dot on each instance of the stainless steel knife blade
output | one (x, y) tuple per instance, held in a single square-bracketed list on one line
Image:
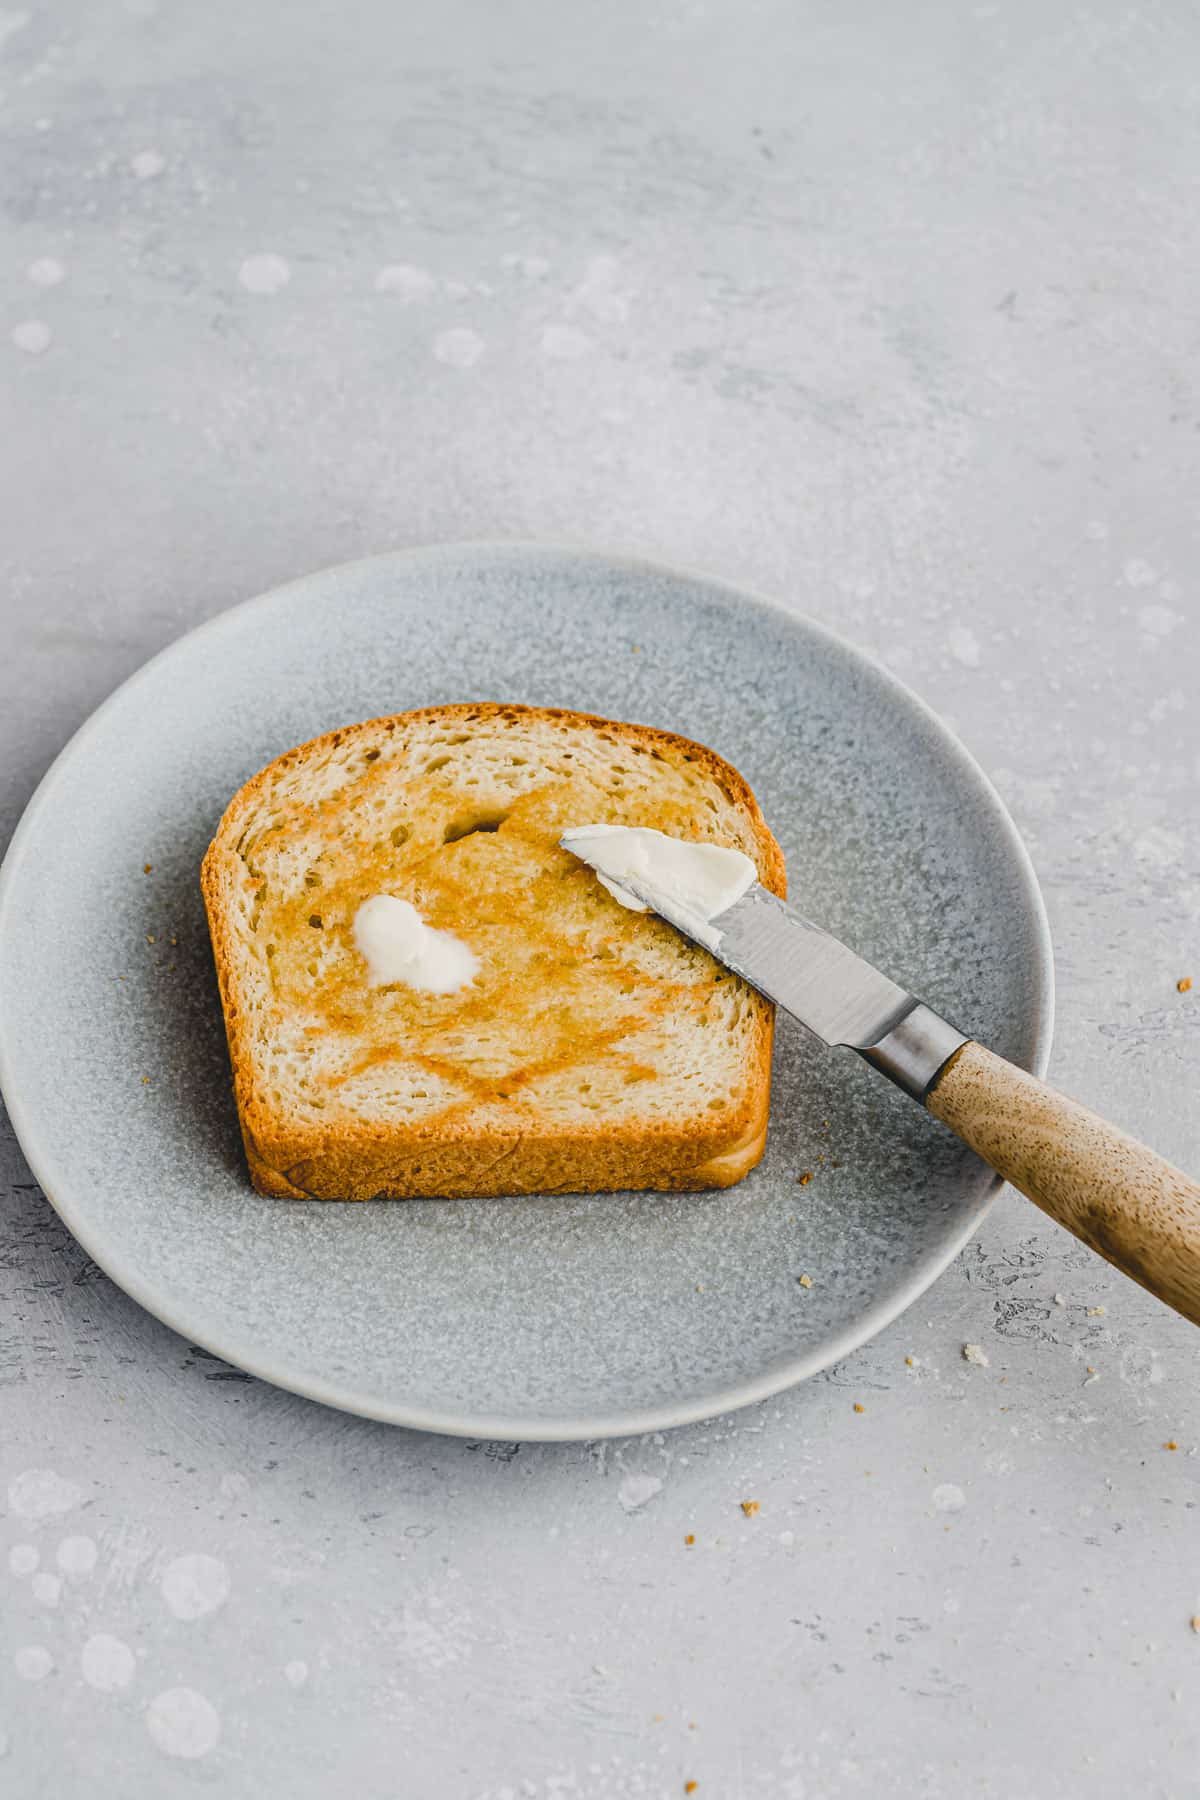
[(838, 995)]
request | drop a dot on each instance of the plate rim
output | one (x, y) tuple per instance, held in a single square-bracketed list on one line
[(664, 1416)]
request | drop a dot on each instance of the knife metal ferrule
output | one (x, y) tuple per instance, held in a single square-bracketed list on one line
[(914, 1052)]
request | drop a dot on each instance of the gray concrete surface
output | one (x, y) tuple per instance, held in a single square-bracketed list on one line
[(890, 310)]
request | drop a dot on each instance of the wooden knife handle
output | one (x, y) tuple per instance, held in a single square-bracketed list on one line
[(1118, 1197)]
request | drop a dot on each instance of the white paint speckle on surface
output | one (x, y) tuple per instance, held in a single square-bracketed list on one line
[(46, 272), (964, 646), (636, 1489), (947, 1497), (295, 1673), (406, 282), (565, 343), (23, 1559), (601, 291), (183, 1723), (459, 347), (41, 1494), (533, 268), (1138, 572), (264, 273), (106, 1663), (33, 1662), (47, 1588), (195, 1585), (77, 1555), (1158, 621), (1160, 847), (33, 336), (10, 24), (147, 165)]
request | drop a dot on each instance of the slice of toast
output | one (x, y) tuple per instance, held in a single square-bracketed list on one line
[(596, 1049)]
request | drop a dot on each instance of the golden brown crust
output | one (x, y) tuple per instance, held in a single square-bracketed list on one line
[(363, 1158)]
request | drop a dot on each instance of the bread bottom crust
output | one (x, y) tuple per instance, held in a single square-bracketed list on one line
[(490, 1168)]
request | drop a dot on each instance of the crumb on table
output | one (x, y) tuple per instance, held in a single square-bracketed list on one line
[(1170, 1444), (1096, 1312), (859, 1407), (804, 1280), (805, 1178), (147, 868), (689, 1787), (975, 1353), (750, 1508), (690, 1539), (1184, 984), (1196, 1623)]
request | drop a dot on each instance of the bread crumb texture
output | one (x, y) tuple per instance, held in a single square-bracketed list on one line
[(597, 1049)]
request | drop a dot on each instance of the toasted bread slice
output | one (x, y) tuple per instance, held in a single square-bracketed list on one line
[(596, 1048)]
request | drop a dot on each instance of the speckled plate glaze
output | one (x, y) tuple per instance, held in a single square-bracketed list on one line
[(549, 1316)]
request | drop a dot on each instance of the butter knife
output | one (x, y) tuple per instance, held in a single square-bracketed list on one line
[(1118, 1197)]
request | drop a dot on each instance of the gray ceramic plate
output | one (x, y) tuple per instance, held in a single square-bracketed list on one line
[(543, 1317)]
